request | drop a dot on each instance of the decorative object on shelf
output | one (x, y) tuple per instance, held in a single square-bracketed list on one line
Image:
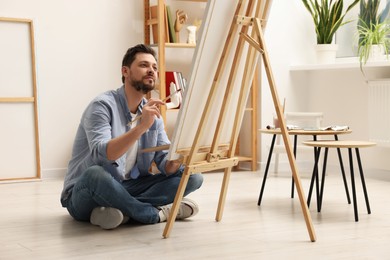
[(373, 31), (191, 34), (328, 16), (197, 23), (192, 29), (181, 19)]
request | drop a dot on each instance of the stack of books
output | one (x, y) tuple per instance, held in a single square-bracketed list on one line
[(174, 81)]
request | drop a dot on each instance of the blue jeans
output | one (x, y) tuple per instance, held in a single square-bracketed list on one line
[(137, 198)]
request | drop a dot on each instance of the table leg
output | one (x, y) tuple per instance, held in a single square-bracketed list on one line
[(353, 184), (363, 181), (314, 175), (266, 169), (319, 200), (343, 171), (295, 156)]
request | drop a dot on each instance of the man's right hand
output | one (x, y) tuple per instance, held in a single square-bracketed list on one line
[(149, 111)]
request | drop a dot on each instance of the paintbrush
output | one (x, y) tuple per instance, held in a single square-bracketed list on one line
[(164, 100)]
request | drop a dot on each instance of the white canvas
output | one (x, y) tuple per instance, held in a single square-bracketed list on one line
[(209, 48)]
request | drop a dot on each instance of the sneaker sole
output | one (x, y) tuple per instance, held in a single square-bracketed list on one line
[(192, 204), (106, 217)]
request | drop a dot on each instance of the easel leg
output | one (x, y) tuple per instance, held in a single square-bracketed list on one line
[(176, 204), (271, 81), (222, 195)]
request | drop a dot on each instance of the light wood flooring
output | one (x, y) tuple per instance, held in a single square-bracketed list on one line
[(34, 226)]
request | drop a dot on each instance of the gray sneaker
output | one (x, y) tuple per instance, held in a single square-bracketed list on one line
[(188, 208), (106, 217)]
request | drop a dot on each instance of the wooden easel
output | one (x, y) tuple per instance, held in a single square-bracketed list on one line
[(220, 156)]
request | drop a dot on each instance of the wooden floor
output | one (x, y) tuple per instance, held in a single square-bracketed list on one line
[(34, 226)]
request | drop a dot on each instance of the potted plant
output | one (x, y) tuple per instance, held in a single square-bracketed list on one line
[(373, 30), (328, 16), (374, 41)]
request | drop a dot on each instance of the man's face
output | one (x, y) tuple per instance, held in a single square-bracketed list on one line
[(143, 72)]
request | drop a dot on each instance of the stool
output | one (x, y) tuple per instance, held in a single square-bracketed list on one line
[(339, 144)]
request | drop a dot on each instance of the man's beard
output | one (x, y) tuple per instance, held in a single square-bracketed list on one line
[(141, 86)]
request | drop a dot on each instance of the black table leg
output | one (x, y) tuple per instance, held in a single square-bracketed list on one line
[(266, 169), (319, 200), (316, 171), (353, 184), (343, 172), (314, 175), (295, 156), (363, 181)]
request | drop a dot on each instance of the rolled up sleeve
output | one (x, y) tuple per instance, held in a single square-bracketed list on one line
[(98, 130)]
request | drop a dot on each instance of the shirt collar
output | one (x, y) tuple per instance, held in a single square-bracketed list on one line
[(123, 101)]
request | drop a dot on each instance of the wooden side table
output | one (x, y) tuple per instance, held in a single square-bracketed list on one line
[(340, 145), (296, 133)]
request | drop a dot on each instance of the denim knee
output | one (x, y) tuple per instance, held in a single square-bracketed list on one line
[(195, 181), (94, 169), (95, 172)]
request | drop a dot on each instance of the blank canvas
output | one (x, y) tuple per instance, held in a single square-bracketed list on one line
[(210, 44)]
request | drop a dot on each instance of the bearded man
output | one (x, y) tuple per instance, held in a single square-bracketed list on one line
[(108, 181)]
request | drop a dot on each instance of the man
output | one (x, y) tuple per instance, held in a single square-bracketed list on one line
[(108, 179)]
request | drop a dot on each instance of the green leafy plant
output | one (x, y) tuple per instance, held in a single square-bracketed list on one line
[(328, 16), (369, 12), (373, 34), (372, 28)]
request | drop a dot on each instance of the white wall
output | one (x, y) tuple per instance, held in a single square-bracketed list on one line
[(79, 49), (80, 44)]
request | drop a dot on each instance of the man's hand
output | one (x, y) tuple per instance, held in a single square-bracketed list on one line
[(172, 166), (149, 111)]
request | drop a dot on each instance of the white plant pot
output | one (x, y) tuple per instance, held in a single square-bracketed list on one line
[(376, 53), (326, 53)]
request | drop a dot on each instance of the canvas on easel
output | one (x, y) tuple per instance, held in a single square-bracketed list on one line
[(208, 124)]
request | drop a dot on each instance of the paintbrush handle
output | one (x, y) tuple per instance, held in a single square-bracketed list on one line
[(171, 95), (164, 100)]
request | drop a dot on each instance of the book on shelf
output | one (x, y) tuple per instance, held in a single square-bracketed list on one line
[(174, 81), (171, 25), (167, 38), (169, 78)]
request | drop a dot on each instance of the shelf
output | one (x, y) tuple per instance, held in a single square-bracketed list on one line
[(341, 63), (176, 45), (204, 1)]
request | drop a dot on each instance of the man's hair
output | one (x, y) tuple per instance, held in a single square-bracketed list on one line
[(132, 52)]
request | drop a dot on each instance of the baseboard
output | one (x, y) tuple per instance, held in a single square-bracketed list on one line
[(55, 173)]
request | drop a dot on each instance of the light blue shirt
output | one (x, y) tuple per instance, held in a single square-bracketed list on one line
[(105, 118)]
